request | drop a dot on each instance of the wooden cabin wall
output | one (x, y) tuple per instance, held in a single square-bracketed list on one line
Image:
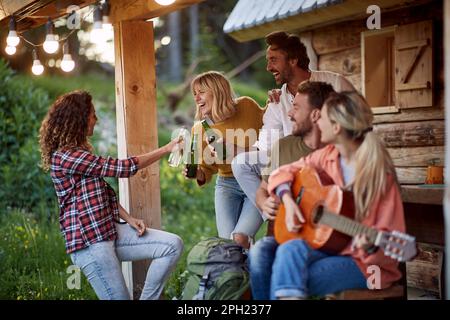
[(413, 136)]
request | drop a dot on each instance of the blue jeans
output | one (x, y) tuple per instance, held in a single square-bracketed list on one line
[(247, 167), (299, 271), (262, 256), (235, 213), (100, 262)]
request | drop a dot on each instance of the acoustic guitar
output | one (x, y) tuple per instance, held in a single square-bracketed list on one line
[(329, 220)]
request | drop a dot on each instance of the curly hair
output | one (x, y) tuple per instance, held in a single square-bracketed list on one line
[(66, 125)]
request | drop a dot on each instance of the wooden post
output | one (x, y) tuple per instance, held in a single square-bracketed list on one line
[(447, 142), (135, 83)]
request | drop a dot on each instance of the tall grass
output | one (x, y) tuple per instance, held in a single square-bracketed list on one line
[(33, 262)]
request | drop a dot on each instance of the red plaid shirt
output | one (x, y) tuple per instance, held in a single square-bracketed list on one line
[(88, 204)]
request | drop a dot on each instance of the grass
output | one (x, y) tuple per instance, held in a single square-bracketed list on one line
[(33, 262)]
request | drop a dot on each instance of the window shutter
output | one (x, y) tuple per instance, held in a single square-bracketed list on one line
[(414, 65)]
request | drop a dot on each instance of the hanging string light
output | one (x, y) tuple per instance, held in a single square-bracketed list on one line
[(37, 68), (13, 39), (105, 12), (51, 43), (67, 63), (97, 35), (10, 50)]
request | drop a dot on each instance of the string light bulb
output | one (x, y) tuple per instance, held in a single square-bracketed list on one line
[(10, 50), (165, 40), (67, 63), (97, 35), (13, 39), (51, 44), (105, 12), (165, 2), (37, 68)]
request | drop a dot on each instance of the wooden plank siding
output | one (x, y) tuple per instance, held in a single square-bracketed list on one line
[(417, 156), (414, 137), (412, 134)]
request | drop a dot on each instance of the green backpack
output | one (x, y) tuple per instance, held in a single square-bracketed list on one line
[(217, 271)]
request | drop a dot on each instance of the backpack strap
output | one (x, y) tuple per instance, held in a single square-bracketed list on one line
[(202, 287)]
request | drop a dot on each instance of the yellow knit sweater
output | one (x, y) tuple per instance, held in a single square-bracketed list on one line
[(248, 115)]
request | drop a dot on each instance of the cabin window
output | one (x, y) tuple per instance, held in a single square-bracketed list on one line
[(397, 67), (378, 69)]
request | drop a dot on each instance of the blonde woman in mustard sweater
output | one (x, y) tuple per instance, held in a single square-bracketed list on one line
[(236, 121)]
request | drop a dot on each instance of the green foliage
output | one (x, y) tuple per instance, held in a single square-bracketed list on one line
[(22, 109), (243, 89), (99, 86)]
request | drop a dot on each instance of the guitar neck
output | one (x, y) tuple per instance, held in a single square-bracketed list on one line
[(347, 225)]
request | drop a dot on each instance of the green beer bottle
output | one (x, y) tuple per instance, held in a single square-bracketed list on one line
[(192, 166), (212, 138)]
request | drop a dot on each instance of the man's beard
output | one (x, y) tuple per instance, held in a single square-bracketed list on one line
[(286, 75), (302, 130)]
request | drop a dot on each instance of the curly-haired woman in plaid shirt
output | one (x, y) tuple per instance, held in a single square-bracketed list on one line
[(89, 210)]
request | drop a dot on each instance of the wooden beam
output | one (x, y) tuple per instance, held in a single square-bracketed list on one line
[(144, 9), (345, 62), (338, 37), (33, 13), (414, 114), (422, 194), (8, 7), (411, 175), (417, 157), (412, 134), (137, 124)]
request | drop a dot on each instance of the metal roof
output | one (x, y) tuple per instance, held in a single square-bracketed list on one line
[(250, 13)]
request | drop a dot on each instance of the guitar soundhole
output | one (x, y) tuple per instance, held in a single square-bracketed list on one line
[(318, 213)]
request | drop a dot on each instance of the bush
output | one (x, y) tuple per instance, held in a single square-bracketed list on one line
[(22, 109)]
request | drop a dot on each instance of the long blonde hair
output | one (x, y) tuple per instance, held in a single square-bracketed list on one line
[(373, 163), (223, 95)]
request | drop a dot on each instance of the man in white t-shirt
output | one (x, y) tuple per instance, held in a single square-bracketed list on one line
[(288, 61)]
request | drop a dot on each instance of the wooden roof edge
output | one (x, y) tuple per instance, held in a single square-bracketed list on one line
[(32, 13)]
